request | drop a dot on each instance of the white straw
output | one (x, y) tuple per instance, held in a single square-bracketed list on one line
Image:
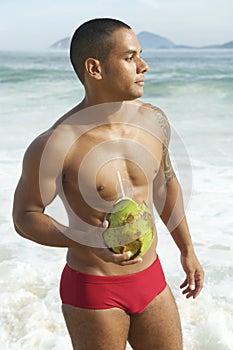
[(121, 184)]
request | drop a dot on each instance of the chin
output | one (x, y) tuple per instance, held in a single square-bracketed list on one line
[(134, 95)]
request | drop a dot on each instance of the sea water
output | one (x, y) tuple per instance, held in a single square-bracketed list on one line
[(195, 89)]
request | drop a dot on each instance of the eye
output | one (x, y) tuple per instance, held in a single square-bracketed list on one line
[(130, 58)]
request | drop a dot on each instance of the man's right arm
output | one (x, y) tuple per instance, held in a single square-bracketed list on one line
[(37, 188)]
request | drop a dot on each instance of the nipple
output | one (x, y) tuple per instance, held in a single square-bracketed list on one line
[(100, 188)]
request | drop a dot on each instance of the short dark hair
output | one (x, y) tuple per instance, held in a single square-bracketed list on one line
[(93, 39)]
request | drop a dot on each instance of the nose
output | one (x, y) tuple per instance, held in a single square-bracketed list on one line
[(142, 66)]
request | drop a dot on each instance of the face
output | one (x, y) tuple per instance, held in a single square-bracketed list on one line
[(123, 71)]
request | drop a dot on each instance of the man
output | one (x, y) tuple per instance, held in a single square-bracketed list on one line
[(108, 146)]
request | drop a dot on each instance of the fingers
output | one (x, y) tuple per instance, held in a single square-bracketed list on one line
[(199, 278), (191, 281), (193, 284), (123, 259), (188, 291), (184, 283)]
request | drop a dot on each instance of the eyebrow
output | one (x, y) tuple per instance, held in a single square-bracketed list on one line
[(132, 51)]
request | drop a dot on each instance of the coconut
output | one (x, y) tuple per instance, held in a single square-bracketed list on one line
[(131, 228)]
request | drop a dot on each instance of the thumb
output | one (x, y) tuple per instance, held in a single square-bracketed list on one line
[(105, 224), (191, 281)]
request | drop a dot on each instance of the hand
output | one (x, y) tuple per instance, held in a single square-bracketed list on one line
[(121, 259), (193, 283), (107, 255)]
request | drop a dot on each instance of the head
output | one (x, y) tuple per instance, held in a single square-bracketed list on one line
[(93, 39)]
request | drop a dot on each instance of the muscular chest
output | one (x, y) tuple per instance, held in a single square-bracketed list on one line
[(96, 160)]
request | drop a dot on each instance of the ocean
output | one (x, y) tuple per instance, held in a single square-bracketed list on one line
[(195, 90)]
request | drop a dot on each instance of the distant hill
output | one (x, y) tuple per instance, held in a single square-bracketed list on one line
[(62, 44), (153, 41), (148, 41), (228, 45)]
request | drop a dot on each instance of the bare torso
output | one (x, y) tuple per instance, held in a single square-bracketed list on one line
[(90, 186)]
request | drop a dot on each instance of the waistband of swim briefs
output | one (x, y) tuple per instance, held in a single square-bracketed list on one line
[(95, 279)]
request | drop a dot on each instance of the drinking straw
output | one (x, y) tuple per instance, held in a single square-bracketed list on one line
[(120, 183)]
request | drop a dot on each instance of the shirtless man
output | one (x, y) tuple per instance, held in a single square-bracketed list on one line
[(107, 298)]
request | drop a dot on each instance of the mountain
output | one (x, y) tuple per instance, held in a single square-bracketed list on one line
[(153, 41), (148, 41), (228, 45), (62, 44)]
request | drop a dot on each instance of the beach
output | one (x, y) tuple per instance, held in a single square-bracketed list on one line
[(194, 88)]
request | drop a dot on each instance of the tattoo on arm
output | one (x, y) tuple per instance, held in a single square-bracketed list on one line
[(164, 125), (167, 166)]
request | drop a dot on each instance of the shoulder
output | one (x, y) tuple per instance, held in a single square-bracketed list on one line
[(160, 121), (52, 139), (35, 149), (48, 150)]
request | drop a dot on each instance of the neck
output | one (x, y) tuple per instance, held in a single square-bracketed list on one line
[(98, 96)]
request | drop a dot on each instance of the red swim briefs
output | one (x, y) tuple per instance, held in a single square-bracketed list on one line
[(132, 292)]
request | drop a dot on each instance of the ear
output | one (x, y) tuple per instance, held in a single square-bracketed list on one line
[(93, 68)]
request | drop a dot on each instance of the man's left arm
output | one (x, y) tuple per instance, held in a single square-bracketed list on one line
[(168, 200)]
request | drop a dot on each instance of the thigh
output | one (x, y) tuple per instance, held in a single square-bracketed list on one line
[(158, 326), (97, 329)]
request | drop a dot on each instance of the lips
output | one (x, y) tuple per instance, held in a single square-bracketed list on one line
[(140, 82)]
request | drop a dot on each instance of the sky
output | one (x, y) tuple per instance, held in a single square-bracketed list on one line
[(37, 24)]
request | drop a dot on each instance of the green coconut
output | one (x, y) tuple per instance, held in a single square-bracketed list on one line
[(131, 228)]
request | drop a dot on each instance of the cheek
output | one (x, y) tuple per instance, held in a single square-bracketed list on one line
[(126, 71), (127, 76), (121, 77), (121, 80)]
